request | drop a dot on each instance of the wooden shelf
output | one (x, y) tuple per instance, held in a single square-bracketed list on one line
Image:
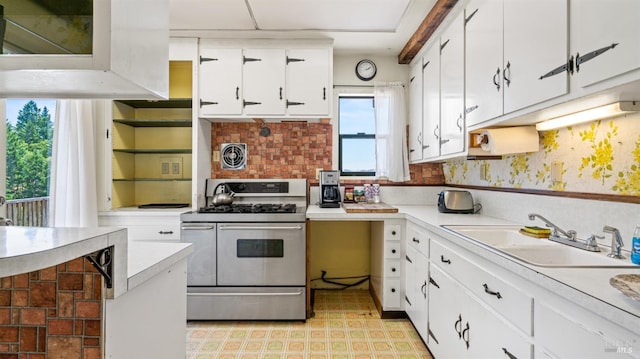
[(155, 122), (150, 179), (171, 103), (154, 151)]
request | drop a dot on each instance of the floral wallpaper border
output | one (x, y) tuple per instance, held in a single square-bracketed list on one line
[(599, 157)]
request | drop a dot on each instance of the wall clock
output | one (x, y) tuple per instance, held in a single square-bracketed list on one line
[(366, 69)]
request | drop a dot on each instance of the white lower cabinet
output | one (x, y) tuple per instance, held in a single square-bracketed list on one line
[(462, 326), (564, 330), (387, 265), (466, 306), (144, 227), (416, 286)]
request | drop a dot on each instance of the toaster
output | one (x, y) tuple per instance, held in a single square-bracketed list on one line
[(452, 201)]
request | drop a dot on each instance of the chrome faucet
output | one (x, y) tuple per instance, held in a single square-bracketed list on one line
[(570, 234), (616, 242)]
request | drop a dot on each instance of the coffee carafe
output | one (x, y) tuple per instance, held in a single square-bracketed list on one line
[(330, 189)]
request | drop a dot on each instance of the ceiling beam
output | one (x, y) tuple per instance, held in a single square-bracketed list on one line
[(425, 30)]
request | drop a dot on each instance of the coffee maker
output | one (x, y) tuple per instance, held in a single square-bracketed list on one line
[(329, 189)]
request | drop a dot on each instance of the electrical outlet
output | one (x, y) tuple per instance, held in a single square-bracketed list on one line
[(164, 168), (176, 168), (556, 171), (318, 173), (216, 156)]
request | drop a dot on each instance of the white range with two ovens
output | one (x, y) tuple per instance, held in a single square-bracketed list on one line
[(249, 258)]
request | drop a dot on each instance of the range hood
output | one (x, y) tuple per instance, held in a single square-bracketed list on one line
[(129, 59)]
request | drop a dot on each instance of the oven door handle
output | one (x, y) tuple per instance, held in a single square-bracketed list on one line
[(197, 228), (299, 292), (259, 227)]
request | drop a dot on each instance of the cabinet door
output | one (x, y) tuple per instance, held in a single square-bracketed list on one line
[(415, 112), (416, 289), (597, 25), (483, 65), (307, 82), (452, 127), (431, 102), (263, 75), (445, 316), (531, 51), (220, 82), (485, 335)]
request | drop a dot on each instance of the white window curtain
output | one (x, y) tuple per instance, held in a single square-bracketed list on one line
[(392, 158), (73, 194)]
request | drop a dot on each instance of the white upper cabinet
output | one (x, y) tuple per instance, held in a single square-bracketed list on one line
[(484, 85), (452, 126), (267, 79), (605, 36), (263, 80), (127, 59), (308, 81), (535, 44), (513, 62), (221, 91), (415, 112), (431, 102)]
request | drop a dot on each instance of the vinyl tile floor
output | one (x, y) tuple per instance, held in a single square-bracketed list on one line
[(346, 324)]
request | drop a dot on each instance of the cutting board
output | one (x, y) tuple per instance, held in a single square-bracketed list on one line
[(628, 284), (368, 208)]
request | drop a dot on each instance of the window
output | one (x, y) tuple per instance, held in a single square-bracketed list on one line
[(356, 136)]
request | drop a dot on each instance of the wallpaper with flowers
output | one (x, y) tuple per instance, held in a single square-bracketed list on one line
[(597, 157)]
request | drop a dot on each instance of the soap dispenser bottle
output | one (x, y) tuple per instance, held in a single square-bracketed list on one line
[(635, 246)]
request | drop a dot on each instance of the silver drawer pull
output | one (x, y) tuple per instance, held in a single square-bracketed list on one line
[(289, 294), (240, 228)]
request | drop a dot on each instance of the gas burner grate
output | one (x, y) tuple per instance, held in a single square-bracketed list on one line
[(251, 208)]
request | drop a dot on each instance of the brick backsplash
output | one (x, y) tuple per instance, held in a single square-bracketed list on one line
[(294, 150), (55, 312)]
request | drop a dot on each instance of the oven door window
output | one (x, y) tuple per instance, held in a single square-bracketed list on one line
[(260, 248)]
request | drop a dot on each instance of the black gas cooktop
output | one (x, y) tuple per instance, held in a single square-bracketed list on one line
[(250, 208)]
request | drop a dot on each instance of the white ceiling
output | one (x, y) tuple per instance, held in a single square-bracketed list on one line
[(356, 26)]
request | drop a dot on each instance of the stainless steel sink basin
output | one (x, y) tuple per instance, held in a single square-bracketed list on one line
[(536, 251)]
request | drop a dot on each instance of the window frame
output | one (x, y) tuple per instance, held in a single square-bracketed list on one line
[(360, 135)]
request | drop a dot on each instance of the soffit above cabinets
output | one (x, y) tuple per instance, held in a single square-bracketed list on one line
[(356, 26)]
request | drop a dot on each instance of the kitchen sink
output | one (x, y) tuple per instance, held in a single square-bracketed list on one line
[(536, 251)]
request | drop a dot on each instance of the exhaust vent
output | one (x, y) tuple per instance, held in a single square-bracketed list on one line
[(233, 156)]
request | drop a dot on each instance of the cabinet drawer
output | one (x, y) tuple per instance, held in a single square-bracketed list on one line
[(392, 268), (418, 238), (391, 299), (512, 303), (392, 232), (392, 249), (167, 232)]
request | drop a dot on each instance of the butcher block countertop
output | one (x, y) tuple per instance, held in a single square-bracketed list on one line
[(368, 208)]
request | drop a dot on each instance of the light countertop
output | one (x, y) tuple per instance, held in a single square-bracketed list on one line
[(147, 258), (28, 249), (588, 287)]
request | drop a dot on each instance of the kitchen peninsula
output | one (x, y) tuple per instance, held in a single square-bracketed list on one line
[(54, 300), (437, 277)]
